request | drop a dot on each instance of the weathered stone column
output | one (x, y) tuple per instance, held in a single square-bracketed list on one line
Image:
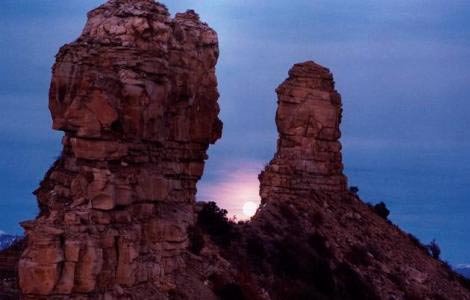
[(136, 95), (308, 153)]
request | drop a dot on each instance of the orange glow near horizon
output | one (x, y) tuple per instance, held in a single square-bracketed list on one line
[(236, 187)]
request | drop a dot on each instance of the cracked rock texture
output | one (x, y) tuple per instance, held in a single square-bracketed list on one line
[(136, 95), (308, 149)]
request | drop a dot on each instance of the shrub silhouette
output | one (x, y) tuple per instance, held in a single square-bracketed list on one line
[(214, 221), (434, 249), (382, 210), (354, 189)]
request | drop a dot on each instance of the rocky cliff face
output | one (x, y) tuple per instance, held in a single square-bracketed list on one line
[(136, 96)]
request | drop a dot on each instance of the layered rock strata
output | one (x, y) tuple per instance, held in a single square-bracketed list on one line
[(136, 95), (308, 153)]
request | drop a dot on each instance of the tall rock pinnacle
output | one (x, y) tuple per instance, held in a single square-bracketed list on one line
[(320, 240), (136, 95), (308, 153)]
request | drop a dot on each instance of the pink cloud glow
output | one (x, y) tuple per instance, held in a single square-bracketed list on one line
[(235, 184)]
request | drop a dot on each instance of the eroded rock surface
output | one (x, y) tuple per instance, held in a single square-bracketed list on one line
[(308, 153), (136, 95)]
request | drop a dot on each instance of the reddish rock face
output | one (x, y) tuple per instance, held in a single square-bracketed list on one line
[(136, 95), (308, 153)]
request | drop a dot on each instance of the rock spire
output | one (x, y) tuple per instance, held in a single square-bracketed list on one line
[(136, 95), (308, 149)]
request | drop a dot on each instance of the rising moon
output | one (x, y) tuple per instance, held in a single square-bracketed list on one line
[(249, 208)]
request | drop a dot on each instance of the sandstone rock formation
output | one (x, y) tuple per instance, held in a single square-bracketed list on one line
[(308, 154), (321, 241), (136, 95)]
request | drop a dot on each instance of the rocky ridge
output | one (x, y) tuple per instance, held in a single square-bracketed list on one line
[(136, 96), (311, 237)]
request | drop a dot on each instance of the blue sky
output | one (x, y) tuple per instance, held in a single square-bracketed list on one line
[(402, 67)]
